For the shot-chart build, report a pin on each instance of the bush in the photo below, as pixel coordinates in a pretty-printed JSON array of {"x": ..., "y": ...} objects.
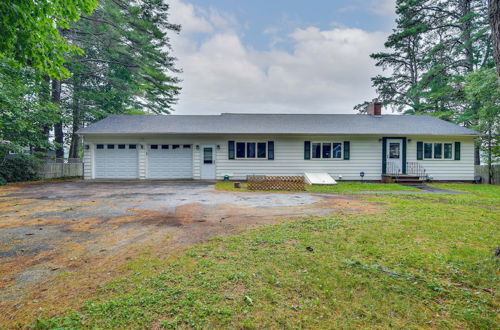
[{"x": 20, "y": 167}]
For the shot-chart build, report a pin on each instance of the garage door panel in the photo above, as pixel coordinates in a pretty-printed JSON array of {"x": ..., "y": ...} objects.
[
  {"x": 116, "y": 163},
  {"x": 170, "y": 163}
]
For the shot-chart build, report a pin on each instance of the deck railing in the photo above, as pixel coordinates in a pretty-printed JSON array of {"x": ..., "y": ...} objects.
[
  {"x": 416, "y": 169},
  {"x": 412, "y": 168}
]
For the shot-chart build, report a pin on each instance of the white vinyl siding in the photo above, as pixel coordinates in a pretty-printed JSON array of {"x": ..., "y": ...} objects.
[
  {"x": 365, "y": 155},
  {"x": 442, "y": 168}
]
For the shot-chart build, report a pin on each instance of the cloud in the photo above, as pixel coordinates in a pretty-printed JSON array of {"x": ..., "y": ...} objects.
[{"x": 325, "y": 71}]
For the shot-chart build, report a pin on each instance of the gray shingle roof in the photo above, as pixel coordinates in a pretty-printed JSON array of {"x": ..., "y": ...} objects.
[{"x": 229, "y": 123}]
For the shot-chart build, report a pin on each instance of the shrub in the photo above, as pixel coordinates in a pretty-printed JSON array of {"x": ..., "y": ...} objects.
[{"x": 18, "y": 167}]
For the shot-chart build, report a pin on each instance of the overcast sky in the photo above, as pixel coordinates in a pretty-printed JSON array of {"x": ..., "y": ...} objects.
[{"x": 277, "y": 56}]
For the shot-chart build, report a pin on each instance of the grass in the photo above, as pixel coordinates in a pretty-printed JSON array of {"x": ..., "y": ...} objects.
[
  {"x": 345, "y": 187},
  {"x": 426, "y": 261}
]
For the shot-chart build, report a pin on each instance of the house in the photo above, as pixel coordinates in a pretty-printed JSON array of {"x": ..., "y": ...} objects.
[{"x": 238, "y": 145}]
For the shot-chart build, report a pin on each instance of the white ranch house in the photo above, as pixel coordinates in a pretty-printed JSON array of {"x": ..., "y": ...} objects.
[{"x": 209, "y": 147}]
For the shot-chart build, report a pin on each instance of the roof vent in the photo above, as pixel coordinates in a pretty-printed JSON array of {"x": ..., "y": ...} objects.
[{"x": 374, "y": 109}]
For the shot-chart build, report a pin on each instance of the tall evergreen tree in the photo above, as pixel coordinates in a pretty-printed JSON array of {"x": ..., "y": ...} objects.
[
  {"x": 126, "y": 67},
  {"x": 435, "y": 45}
]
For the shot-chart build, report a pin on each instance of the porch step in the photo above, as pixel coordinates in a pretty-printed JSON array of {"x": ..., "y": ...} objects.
[{"x": 407, "y": 179}]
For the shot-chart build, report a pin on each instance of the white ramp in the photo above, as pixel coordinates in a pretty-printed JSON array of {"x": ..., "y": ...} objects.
[{"x": 319, "y": 178}]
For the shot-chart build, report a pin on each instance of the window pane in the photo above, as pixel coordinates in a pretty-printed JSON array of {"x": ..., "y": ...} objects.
[
  {"x": 132, "y": 146},
  {"x": 164, "y": 146},
  {"x": 428, "y": 150},
  {"x": 448, "y": 150},
  {"x": 154, "y": 146},
  {"x": 111, "y": 146},
  {"x": 100, "y": 146},
  {"x": 250, "y": 149},
  {"x": 186, "y": 146},
  {"x": 337, "y": 150},
  {"x": 121, "y": 146},
  {"x": 394, "y": 150},
  {"x": 207, "y": 156},
  {"x": 176, "y": 146},
  {"x": 240, "y": 150},
  {"x": 316, "y": 150},
  {"x": 327, "y": 150},
  {"x": 438, "y": 150},
  {"x": 261, "y": 150}
]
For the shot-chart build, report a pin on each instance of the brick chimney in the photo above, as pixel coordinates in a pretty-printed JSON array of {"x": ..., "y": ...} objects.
[{"x": 374, "y": 109}]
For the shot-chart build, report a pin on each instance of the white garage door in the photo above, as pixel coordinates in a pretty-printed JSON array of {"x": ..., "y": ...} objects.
[
  {"x": 116, "y": 161},
  {"x": 170, "y": 161}
]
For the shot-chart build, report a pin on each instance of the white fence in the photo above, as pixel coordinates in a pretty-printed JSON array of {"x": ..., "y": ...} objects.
[
  {"x": 61, "y": 169},
  {"x": 482, "y": 171}
]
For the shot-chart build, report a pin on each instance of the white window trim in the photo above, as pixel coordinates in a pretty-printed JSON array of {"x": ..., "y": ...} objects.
[
  {"x": 331, "y": 150},
  {"x": 256, "y": 150},
  {"x": 442, "y": 151}
]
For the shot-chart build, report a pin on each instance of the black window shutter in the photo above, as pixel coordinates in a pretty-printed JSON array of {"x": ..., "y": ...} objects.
[
  {"x": 307, "y": 149},
  {"x": 347, "y": 150},
  {"x": 457, "y": 150},
  {"x": 420, "y": 150},
  {"x": 230, "y": 149},
  {"x": 270, "y": 150}
]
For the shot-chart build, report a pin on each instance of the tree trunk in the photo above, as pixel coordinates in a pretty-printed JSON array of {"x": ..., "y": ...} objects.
[
  {"x": 465, "y": 9},
  {"x": 490, "y": 168},
  {"x": 477, "y": 153},
  {"x": 494, "y": 15},
  {"x": 58, "y": 127},
  {"x": 46, "y": 128},
  {"x": 75, "y": 139}
]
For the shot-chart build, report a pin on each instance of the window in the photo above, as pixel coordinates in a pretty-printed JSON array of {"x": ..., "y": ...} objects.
[
  {"x": 132, "y": 146},
  {"x": 394, "y": 150},
  {"x": 207, "y": 156},
  {"x": 121, "y": 146},
  {"x": 240, "y": 150},
  {"x": 100, "y": 146},
  {"x": 327, "y": 150},
  {"x": 427, "y": 150},
  {"x": 186, "y": 146},
  {"x": 448, "y": 151},
  {"x": 251, "y": 149},
  {"x": 176, "y": 146},
  {"x": 164, "y": 146},
  {"x": 154, "y": 146},
  {"x": 111, "y": 146},
  {"x": 261, "y": 150},
  {"x": 337, "y": 150},
  {"x": 316, "y": 150},
  {"x": 438, "y": 150}
]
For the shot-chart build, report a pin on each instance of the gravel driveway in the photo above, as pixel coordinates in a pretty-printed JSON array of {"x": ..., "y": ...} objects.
[{"x": 63, "y": 240}]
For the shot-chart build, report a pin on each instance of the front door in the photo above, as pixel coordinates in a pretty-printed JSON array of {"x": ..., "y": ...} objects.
[
  {"x": 207, "y": 162},
  {"x": 394, "y": 156}
]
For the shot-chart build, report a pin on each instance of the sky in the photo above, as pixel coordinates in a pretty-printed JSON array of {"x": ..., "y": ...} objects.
[{"x": 277, "y": 56}]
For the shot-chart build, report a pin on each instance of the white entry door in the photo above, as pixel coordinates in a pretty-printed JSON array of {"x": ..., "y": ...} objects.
[
  {"x": 394, "y": 156},
  {"x": 207, "y": 162}
]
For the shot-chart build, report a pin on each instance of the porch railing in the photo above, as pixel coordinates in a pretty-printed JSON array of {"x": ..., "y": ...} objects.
[
  {"x": 412, "y": 168},
  {"x": 416, "y": 169}
]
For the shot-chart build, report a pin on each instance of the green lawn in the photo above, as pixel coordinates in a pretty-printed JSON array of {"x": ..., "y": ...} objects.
[
  {"x": 345, "y": 187},
  {"x": 425, "y": 261}
]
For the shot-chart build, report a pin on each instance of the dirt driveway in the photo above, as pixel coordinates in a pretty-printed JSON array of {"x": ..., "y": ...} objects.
[{"x": 60, "y": 241}]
